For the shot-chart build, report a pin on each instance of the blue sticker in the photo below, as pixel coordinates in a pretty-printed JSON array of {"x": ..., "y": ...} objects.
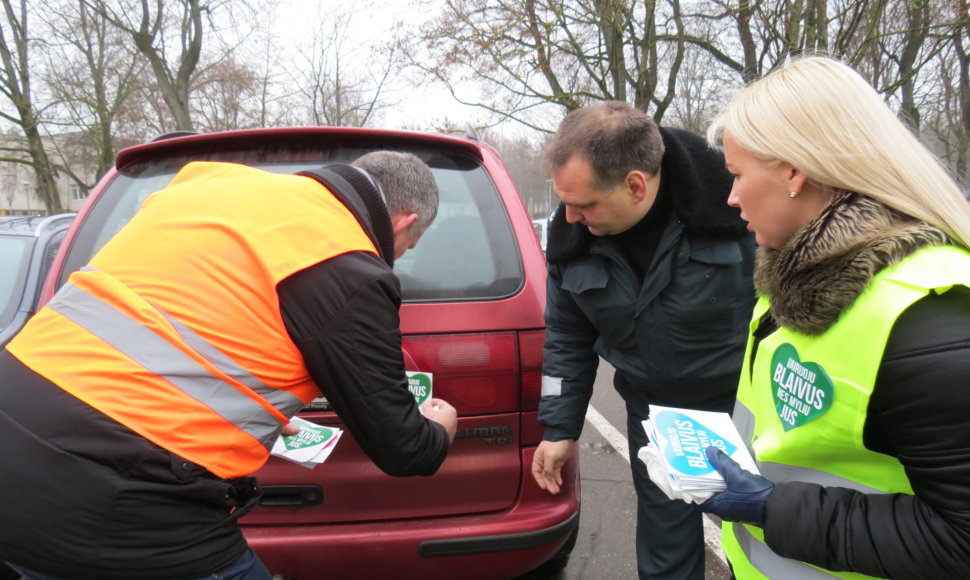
[{"x": 687, "y": 438}]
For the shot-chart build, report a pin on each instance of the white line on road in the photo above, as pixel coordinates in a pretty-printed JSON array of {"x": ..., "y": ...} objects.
[
  {"x": 611, "y": 433},
  {"x": 712, "y": 533}
]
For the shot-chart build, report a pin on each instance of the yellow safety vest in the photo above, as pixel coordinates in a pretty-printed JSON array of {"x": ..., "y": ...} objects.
[{"x": 802, "y": 402}]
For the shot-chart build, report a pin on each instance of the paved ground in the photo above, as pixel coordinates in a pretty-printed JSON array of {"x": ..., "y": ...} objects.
[{"x": 604, "y": 549}]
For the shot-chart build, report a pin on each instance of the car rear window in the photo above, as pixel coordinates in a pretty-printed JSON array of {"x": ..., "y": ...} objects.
[
  {"x": 468, "y": 253},
  {"x": 14, "y": 256}
]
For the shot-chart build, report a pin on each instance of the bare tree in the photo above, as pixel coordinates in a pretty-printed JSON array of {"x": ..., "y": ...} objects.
[
  {"x": 226, "y": 97},
  {"x": 237, "y": 81},
  {"x": 523, "y": 159},
  {"x": 567, "y": 53},
  {"x": 169, "y": 35},
  {"x": 750, "y": 37},
  {"x": 15, "y": 85},
  {"x": 335, "y": 90},
  {"x": 92, "y": 75},
  {"x": 946, "y": 111},
  {"x": 961, "y": 50},
  {"x": 272, "y": 92},
  {"x": 905, "y": 46},
  {"x": 702, "y": 90}
]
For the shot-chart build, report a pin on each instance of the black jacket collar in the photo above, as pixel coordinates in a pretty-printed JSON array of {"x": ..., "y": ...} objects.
[{"x": 358, "y": 192}]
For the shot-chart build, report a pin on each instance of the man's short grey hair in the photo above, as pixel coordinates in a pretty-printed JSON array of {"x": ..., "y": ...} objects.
[
  {"x": 613, "y": 136},
  {"x": 407, "y": 183}
]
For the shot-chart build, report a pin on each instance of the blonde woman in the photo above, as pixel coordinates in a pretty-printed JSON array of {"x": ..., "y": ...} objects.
[{"x": 855, "y": 393}]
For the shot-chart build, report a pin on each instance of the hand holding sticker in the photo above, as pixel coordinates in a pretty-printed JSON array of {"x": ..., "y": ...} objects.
[
  {"x": 420, "y": 385},
  {"x": 310, "y": 444}
]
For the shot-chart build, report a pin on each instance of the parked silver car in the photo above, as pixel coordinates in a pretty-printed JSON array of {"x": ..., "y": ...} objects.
[{"x": 27, "y": 249}]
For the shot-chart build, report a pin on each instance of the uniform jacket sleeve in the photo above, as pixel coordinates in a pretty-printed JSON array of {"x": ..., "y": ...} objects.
[
  {"x": 569, "y": 365},
  {"x": 343, "y": 316},
  {"x": 918, "y": 413}
]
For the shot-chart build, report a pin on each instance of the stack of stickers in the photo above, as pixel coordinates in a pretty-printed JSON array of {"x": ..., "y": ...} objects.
[
  {"x": 682, "y": 435},
  {"x": 311, "y": 446}
]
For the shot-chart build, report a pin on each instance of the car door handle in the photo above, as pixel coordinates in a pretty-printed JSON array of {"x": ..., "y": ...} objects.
[{"x": 291, "y": 495}]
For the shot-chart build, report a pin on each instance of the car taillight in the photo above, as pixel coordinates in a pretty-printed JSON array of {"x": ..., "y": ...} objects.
[
  {"x": 477, "y": 373},
  {"x": 530, "y": 357}
]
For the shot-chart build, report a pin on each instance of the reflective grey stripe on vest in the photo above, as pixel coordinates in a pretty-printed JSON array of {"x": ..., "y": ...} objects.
[
  {"x": 744, "y": 421},
  {"x": 773, "y": 566},
  {"x": 146, "y": 348},
  {"x": 282, "y": 400},
  {"x": 782, "y": 472}
]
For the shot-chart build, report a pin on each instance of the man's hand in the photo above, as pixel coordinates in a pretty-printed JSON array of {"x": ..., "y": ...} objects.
[
  {"x": 290, "y": 429},
  {"x": 547, "y": 463},
  {"x": 439, "y": 411},
  {"x": 746, "y": 495}
]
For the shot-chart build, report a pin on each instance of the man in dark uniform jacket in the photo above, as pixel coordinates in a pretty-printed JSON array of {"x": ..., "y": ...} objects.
[{"x": 650, "y": 270}]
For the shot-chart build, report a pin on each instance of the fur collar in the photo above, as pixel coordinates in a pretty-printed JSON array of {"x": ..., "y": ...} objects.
[
  {"x": 692, "y": 174},
  {"x": 828, "y": 263}
]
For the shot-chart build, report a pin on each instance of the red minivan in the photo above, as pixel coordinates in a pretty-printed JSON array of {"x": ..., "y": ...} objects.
[{"x": 474, "y": 293}]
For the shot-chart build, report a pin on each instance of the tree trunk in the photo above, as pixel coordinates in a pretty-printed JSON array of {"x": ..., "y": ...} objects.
[{"x": 44, "y": 171}]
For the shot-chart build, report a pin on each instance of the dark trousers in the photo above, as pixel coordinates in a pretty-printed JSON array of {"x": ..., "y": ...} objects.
[
  {"x": 670, "y": 534},
  {"x": 82, "y": 496}
]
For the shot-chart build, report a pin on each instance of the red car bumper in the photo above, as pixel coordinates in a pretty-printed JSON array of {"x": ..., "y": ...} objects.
[{"x": 491, "y": 546}]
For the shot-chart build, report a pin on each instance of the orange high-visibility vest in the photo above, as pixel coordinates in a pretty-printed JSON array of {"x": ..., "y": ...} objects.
[{"x": 174, "y": 329}]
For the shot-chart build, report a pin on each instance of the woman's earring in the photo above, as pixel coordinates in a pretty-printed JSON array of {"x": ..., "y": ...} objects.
[{"x": 793, "y": 194}]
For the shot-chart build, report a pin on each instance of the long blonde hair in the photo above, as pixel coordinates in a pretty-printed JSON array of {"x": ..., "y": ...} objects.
[{"x": 824, "y": 118}]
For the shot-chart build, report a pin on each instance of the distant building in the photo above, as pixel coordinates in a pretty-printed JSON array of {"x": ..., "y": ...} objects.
[{"x": 18, "y": 182}]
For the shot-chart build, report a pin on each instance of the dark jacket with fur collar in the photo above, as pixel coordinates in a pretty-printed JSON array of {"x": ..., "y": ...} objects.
[
  {"x": 676, "y": 338},
  {"x": 917, "y": 413}
]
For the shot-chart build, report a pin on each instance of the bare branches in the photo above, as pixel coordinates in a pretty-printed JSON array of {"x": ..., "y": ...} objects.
[
  {"x": 531, "y": 55},
  {"x": 96, "y": 75},
  {"x": 149, "y": 25},
  {"x": 15, "y": 84}
]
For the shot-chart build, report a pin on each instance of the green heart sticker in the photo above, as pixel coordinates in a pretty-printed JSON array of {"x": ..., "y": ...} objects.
[
  {"x": 420, "y": 386},
  {"x": 802, "y": 390}
]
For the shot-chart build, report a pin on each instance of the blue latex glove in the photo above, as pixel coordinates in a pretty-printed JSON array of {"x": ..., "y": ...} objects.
[{"x": 746, "y": 494}]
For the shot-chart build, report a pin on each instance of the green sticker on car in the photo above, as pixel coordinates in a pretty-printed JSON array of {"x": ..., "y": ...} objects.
[{"x": 802, "y": 391}]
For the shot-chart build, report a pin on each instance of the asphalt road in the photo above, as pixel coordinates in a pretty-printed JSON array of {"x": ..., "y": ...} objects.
[{"x": 605, "y": 546}]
